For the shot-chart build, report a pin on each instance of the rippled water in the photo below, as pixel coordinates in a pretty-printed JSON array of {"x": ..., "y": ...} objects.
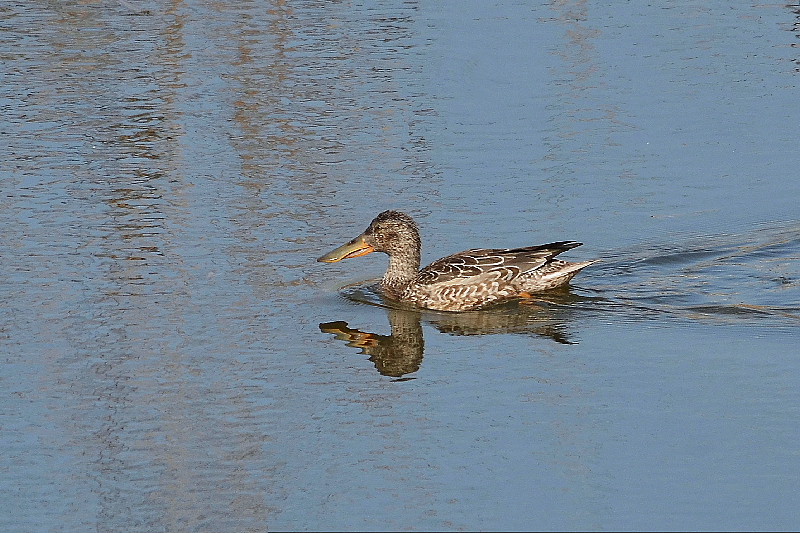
[{"x": 174, "y": 359}]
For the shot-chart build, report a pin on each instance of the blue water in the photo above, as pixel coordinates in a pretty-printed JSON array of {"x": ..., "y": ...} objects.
[{"x": 174, "y": 358}]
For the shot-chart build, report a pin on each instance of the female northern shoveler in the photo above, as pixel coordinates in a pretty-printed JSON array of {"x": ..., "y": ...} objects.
[{"x": 460, "y": 282}]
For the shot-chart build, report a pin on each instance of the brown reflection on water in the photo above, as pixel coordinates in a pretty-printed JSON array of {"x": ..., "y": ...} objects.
[
  {"x": 401, "y": 352},
  {"x": 394, "y": 355}
]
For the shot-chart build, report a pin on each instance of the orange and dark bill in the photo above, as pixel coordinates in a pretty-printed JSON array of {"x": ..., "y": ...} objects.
[{"x": 355, "y": 248}]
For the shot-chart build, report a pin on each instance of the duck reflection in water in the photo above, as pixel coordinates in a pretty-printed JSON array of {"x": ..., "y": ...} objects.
[
  {"x": 396, "y": 354},
  {"x": 401, "y": 352}
]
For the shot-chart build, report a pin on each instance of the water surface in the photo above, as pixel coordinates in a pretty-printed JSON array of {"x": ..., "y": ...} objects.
[{"x": 174, "y": 359}]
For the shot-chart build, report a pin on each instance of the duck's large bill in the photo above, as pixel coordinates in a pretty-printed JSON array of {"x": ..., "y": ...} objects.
[{"x": 355, "y": 248}]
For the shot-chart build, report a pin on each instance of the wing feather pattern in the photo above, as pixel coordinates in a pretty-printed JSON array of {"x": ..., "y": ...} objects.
[{"x": 500, "y": 264}]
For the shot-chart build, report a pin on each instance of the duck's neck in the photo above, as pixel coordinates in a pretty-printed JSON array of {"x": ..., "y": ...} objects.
[{"x": 403, "y": 268}]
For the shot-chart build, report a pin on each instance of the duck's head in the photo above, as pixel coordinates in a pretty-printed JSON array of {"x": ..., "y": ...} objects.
[{"x": 392, "y": 232}]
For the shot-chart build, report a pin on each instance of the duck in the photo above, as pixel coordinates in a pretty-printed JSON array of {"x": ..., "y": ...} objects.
[{"x": 465, "y": 281}]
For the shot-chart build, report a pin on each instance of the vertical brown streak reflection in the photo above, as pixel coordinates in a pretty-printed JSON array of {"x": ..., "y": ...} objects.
[
  {"x": 271, "y": 96},
  {"x": 288, "y": 102},
  {"x": 287, "y": 119},
  {"x": 273, "y": 139}
]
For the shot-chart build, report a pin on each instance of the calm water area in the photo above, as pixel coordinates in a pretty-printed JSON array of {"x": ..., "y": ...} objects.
[{"x": 173, "y": 358}]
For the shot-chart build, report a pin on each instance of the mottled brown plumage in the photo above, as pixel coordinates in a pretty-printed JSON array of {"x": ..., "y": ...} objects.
[{"x": 468, "y": 280}]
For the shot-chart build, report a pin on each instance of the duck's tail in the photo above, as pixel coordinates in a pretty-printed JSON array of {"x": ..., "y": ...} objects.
[{"x": 555, "y": 274}]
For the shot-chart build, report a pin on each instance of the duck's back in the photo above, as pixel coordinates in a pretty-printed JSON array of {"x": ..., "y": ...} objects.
[
  {"x": 476, "y": 278},
  {"x": 502, "y": 263}
]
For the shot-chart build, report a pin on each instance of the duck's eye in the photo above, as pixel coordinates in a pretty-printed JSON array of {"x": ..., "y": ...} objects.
[{"x": 389, "y": 235}]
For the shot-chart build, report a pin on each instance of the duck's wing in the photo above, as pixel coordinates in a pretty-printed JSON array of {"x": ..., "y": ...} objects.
[{"x": 501, "y": 263}]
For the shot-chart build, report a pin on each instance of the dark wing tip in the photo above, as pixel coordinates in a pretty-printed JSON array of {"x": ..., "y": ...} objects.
[{"x": 553, "y": 247}]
